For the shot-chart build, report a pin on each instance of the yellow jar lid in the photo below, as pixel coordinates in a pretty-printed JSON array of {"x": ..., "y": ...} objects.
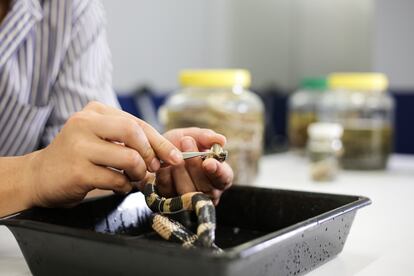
[
  {"x": 215, "y": 78},
  {"x": 358, "y": 81}
]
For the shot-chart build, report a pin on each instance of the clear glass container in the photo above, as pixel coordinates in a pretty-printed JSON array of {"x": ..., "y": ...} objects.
[
  {"x": 302, "y": 106},
  {"x": 324, "y": 149},
  {"x": 219, "y": 100},
  {"x": 361, "y": 104}
]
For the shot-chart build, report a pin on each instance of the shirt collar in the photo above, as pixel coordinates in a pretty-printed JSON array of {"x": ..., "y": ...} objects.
[
  {"x": 20, "y": 19},
  {"x": 31, "y": 7},
  {"x": 35, "y": 9}
]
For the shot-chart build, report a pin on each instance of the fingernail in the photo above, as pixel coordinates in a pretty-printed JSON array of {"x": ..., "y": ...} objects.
[
  {"x": 176, "y": 156},
  {"x": 210, "y": 132},
  {"x": 155, "y": 165},
  {"x": 211, "y": 167},
  {"x": 224, "y": 138}
]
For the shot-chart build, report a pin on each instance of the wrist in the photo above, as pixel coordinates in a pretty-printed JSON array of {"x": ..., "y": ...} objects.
[
  {"x": 29, "y": 178},
  {"x": 15, "y": 184}
]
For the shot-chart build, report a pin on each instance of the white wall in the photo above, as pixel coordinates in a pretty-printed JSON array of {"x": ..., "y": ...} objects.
[
  {"x": 279, "y": 41},
  {"x": 282, "y": 41},
  {"x": 394, "y": 41},
  {"x": 259, "y": 40},
  {"x": 331, "y": 35},
  {"x": 152, "y": 40}
]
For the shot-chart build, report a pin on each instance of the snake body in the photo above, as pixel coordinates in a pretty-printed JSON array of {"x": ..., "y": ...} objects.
[
  {"x": 169, "y": 229},
  {"x": 198, "y": 202},
  {"x": 172, "y": 230}
]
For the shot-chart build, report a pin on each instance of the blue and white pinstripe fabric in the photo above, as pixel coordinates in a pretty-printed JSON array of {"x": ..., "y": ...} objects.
[{"x": 54, "y": 59}]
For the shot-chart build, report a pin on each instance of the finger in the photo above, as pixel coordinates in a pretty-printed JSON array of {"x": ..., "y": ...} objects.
[
  {"x": 127, "y": 131},
  {"x": 140, "y": 184},
  {"x": 163, "y": 149},
  {"x": 193, "y": 166},
  {"x": 204, "y": 137},
  {"x": 220, "y": 174},
  {"x": 182, "y": 180},
  {"x": 216, "y": 201},
  {"x": 113, "y": 155},
  {"x": 98, "y": 193},
  {"x": 164, "y": 183},
  {"x": 215, "y": 195},
  {"x": 108, "y": 179}
]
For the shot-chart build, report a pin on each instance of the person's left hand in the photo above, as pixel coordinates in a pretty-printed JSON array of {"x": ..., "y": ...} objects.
[{"x": 209, "y": 176}]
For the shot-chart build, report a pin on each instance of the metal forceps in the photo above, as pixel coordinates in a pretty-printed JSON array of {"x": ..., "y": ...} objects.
[
  {"x": 191, "y": 154},
  {"x": 216, "y": 152}
]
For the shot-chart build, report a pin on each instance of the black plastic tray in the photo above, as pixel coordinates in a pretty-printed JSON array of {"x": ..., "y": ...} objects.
[{"x": 262, "y": 232}]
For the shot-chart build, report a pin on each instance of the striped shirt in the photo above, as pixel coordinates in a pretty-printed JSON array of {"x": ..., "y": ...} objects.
[{"x": 54, "y": 59}]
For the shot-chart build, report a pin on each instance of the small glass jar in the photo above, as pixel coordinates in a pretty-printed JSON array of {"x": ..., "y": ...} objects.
[
  {"x": 303, "y": 111},
  {"x": 324, "y": 150},
  {"x": 361, "y": 104},
  {"x": 219, "y": 100}
]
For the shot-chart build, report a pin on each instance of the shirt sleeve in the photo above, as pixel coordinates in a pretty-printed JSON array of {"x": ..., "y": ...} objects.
[{"x": 86, "y": 71}]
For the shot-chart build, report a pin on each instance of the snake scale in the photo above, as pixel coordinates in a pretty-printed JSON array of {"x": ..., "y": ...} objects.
[{"x": 198, "y": 202}]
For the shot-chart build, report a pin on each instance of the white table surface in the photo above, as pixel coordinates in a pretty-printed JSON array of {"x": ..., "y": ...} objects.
[{"x": 381, "y": 240}]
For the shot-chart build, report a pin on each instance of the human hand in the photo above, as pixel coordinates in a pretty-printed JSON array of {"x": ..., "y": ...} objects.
[
  {"x": 209, "y": 176},
  {"x": 83, "y": 155}
]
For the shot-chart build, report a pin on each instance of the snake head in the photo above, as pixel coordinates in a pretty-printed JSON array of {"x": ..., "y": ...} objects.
[{"x": 217, "y": 153}]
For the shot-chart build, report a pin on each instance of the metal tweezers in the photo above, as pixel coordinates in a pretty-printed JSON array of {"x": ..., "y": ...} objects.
[
  {"x": 191, "y": 154},
  {"x": 216, "y": 152}
]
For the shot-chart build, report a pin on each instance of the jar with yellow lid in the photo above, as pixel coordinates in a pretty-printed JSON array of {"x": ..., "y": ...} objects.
[
  {"x": 220, "y": 100},
  {"x": 361, "y": 104}
]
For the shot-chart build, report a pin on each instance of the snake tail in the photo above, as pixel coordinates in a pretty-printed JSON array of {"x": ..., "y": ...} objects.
[
  {"x": 172, "y": 230},
  {"x": 206, "y": 214}
]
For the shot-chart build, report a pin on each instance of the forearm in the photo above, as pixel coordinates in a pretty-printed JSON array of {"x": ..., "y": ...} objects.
[{"x": 15, "y": 189}]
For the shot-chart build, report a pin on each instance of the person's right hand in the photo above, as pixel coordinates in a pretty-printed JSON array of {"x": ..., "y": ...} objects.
[{"x": 91, "y": 143}]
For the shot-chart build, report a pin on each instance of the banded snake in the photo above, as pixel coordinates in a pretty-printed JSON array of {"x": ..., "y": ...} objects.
[{"x": 198, "y": 202}]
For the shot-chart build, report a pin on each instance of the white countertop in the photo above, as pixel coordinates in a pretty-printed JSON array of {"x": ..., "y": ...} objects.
[{"x": 381, "y": 239}]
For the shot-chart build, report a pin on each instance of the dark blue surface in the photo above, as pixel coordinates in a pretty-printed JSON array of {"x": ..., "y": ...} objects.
[
  {"x": 404, "y": 121},
  {"x": 275, "y": 137},
  {"x": 128, "y": 101}
]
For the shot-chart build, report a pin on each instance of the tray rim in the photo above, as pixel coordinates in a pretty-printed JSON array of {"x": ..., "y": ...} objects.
[{"x": 240, "y": 251}]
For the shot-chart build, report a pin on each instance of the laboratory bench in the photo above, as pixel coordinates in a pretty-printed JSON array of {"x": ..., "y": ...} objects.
[{"x": 380, "y": 241}]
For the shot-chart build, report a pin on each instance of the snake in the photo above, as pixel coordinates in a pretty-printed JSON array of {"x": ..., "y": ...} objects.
[{"x": 197, "y": 202}]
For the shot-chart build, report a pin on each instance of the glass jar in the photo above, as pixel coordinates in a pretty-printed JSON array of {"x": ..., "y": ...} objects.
[
  {"x": 324, "y": 150},
  {"x": 361, "y": 104},
  {"x": 302, "y": 111},
  {"x": 219, "y": 100}
]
